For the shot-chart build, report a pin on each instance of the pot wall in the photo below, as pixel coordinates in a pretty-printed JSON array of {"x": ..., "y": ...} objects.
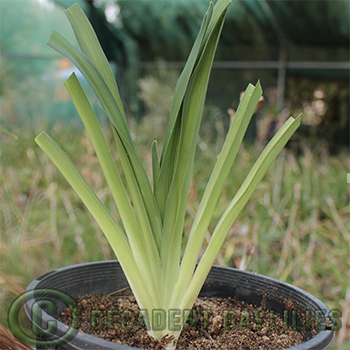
[{"x": 107, "y": 277}]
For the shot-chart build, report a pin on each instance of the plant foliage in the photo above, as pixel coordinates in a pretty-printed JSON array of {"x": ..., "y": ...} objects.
[{"x": 148, "y": 240}]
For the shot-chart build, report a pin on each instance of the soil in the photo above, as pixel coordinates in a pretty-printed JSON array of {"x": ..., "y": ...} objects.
[{"x": 214, "y": 323}]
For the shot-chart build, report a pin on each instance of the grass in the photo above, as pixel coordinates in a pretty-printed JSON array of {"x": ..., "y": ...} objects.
[{"x": 295, "y": 228}]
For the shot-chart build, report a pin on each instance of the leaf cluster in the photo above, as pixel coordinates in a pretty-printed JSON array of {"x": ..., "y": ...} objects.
[{"x": 148, "y": 240}]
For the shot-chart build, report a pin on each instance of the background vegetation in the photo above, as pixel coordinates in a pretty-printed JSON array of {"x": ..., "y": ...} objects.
[{"x": 295, "y": 228}]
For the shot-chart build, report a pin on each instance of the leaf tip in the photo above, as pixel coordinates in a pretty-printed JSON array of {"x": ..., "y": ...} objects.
[
  {"x": 75, "y": 6},
  {"x": 40, "y": 136},
  {"x": 71, "y": 78}
]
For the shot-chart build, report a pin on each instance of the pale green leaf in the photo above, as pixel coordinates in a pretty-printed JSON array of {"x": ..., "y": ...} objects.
[
  {"x": 215, "y": 184},
  {"x": 90, "y": 46},
  {"x": 143, "y": 247},
  {"x": 109, "y": 226},
  {"x": 95, "y": 80},
  {"x": 155, "y": 164},
  {"x": 191, "y": 115},
  {"x": 254, "y": 177}
]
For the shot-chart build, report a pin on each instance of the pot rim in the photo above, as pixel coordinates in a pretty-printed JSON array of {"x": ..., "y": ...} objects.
[{"x": 323, "y": 338}]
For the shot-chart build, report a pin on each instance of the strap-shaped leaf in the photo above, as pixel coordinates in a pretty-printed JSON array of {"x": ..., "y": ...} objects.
[
  {"x": 109, "y": 226},
  {"x": 148, "y": 246},
  {"x": 191, "y": 115},
  {"x": 95, "y": 80},
  {"x": 184, "y": 79},
  {"x": 150, "y": 243},
  {"x": 90, "y": 46},
  {"x": 90, "y": 72},
  {"x": 173, "y": 134},
  {"x": 132, "y": 165},
  {"x": 214, "y": 187},
  {"x": 155, "y": 164},
  {"x": 247, "y": 188},
  {"x": 142, "y": 245}
]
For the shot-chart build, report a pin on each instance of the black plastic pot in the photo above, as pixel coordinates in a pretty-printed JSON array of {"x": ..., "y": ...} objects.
[{"x": 107, "y": 277}]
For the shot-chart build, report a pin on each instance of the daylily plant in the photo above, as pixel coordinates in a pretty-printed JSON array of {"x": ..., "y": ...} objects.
[{"x": 148, "y": 240}]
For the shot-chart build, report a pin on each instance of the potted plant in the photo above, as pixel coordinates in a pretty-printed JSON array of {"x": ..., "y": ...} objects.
[{"x": 147, "y": 242}]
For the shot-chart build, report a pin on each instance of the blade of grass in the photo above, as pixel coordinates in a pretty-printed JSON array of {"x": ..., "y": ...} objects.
[{"x": 8, "y": 133}]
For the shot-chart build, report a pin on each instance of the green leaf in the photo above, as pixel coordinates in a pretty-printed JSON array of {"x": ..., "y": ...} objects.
[
  {"x": 171, "y": 144},
  {"x": 8, "y": 133},
  {"x": 95, "y": 80},
  {"x": 149, "y": 244},
  {"x": 149, "y": 239},
  {"x": 113, "y": 232},
  {"x": 155, "y": 164},
  {"x": 191, "y": 115},
  {"x": 90, "y": 46},
  {"x": 215, "y": 184},
  {"x": 254, "y": 177},
  {"x": 86, "y": 67},
  {"x": 143, "y": 247}
]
